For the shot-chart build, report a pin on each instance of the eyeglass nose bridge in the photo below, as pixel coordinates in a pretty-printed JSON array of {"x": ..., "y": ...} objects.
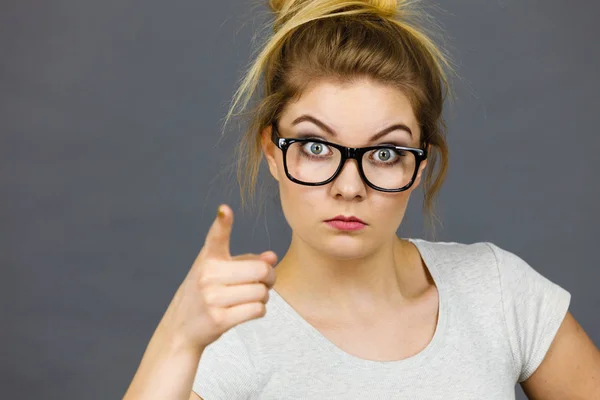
[{"x": 351, "y": 153}]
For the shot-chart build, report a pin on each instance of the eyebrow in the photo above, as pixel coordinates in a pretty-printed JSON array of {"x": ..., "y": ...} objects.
[{"x": 326, "y": 128}]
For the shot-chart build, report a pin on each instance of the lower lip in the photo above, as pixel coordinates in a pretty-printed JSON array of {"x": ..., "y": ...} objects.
[{"x": 346, "y": 225}]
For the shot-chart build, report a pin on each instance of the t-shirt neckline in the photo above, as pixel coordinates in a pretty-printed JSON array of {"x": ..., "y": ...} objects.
[{"x": 411, "y": 362}]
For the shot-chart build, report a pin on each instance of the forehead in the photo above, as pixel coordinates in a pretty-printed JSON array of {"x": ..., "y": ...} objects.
[{"x": 360, "y": 106}]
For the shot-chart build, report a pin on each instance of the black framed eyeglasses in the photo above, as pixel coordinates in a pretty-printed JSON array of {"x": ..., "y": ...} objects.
[{"x": 315, "y": 162}]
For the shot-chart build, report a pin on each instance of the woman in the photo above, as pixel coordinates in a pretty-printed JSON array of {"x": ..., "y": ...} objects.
[{"x": 350, "y": 119}]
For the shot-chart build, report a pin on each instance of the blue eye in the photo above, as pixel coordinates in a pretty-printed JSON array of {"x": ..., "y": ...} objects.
[
  {"x": 385, "y": 155},
  {"x": 315, "y": 148}
]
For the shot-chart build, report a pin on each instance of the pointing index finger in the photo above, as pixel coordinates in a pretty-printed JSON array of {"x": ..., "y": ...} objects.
[{"x": 217, "y": 239}]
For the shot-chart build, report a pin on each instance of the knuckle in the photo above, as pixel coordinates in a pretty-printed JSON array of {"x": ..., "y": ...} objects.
[
  {"x": 212, "y": 297},
  {"x": 263, "y": 270},
  {"x": 218, "y": 319},
  {"x": 208, "y": 276},
  {"x": 263, "y": 292},
  {"x": 259, "y": 309},
  {"x": 204, "y": 281}
]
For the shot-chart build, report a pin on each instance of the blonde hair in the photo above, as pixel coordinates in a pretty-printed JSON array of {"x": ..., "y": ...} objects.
[{"x": 384, "y": 40}]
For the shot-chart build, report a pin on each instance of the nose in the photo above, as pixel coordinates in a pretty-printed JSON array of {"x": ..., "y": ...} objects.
[{"x": 349, "y": 184}]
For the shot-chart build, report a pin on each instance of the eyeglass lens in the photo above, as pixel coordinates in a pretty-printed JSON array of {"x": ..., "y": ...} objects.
[{"x": 386, "y": 167}]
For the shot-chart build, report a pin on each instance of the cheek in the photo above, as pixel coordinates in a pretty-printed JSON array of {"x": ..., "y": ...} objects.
[
  {"x": 389, "y": 208},
  {"x": 301, "y": 205}
]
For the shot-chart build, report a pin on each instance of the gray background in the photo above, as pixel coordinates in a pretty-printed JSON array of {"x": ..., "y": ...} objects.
[{"x": 111, "y": 165}]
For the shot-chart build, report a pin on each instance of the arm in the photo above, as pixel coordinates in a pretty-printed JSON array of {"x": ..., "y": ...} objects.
[
  {"x": 218, "y": 293},
  {"x": 570, "y": 369},
  {"x": 166, "y": 371}
]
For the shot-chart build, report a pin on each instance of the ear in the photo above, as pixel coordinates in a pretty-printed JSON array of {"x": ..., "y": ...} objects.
[
  {"x": 421, "y": 169},
  {"x": 268, "y": 148}
]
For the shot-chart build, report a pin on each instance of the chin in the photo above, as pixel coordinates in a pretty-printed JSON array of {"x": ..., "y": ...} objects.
[{"x": 342, "y": 246}]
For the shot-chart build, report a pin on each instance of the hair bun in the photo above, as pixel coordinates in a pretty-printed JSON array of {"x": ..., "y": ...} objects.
[{"x": 385, "y": 7}]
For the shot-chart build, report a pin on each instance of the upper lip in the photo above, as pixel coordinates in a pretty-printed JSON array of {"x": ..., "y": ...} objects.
[{"x": 347, "y": 219}]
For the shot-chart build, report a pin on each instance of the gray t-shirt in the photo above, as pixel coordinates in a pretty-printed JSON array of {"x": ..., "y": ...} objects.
[{"x": 497, "y": 319}]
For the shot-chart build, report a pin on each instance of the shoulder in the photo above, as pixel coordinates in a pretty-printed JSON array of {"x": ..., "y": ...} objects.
[
  {"x": 483, "y": 270},
  {"x": 480, "y": 262},
  {"x": 471, "y": 260},
  {"x": 489, "y": 277},
  {"x": 457, "y": 251},
  {"x": 460, "y": 263}
]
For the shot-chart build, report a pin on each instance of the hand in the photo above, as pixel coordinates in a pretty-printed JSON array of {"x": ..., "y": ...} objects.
[{"x": 220, "y": 291}]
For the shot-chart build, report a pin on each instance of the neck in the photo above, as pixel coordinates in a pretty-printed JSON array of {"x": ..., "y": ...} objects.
[{"x": 388, "y": 276}]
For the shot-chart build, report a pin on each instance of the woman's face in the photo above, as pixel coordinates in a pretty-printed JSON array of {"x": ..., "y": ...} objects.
[{"x": 355, "y": 112}]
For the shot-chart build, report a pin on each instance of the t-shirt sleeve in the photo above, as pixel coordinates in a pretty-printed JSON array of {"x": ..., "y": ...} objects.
[
  {"x": 225, "y": 370},
  {"x": 534, "y": 308}
]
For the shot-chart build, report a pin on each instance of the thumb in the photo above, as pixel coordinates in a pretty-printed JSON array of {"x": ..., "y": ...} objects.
[
  {"x": 269, "y": 257},
  {"x": 217, "y": 240}
]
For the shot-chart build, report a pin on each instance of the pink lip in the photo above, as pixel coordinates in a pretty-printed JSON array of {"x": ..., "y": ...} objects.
[{"x": 346, "y": 223}]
